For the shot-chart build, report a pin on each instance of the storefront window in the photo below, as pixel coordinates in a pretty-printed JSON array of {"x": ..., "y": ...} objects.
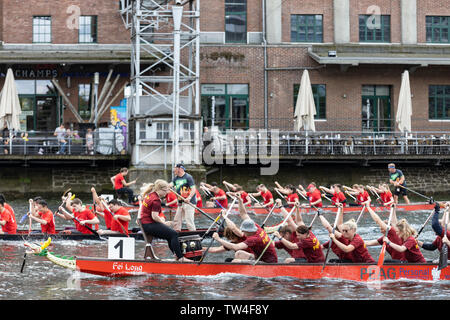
[{"x": 84, "y": 98}]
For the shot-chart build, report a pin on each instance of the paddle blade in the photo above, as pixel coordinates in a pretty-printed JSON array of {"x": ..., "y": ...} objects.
[
  {"x": 381, "y": 256},
  {"x": 443, "y": 257}
]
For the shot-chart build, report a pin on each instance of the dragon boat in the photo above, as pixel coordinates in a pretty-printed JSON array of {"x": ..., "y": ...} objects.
[{"x": 369, "y": 273}]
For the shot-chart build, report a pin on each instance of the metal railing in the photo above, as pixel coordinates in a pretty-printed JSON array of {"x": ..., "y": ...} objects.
[
  {"x": 290, "y": 143},
  {"x": 104, "y": 142}
]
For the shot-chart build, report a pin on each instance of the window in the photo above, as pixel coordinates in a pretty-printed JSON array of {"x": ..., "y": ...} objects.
[
  {"x": 439, "y": 102},
  {"x": 188, "y": 131},
  {"x": 84, "y": 101},
  {"x": 437, "y": 28},
  {"x": 88, "y": 29},
  {"x": 42, "y": 29},
  {"x": 374, "y": 28},
  {"x": 142, "y": 129},
  {"x": 236, "y": 21},
  {"x": 320, "y": 95},
  {"x": 162, "y": 131},
  {"x": 306, "y": 28}
]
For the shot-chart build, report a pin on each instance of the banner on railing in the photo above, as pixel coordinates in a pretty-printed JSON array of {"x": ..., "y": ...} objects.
[{"x": 119, "y": 120}]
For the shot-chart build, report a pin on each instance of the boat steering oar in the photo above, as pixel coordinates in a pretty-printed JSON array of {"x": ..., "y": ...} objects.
[
  {"x": 430, "y": 199},
  {"x": 270, "y": 239},
  {"x": 383, "y": 248},
  {"x": 218, "y": 228}
]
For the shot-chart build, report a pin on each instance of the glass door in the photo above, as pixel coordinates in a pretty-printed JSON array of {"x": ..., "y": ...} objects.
[
  {"x": 46, "y": 108},
  {"x": 27, "y": 114},
  {"x": 376, "y": 109},
  {"x": 239, "y": 112}
]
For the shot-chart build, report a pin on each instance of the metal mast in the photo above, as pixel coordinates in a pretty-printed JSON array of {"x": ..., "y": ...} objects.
[{"x": 168, "y": 32}]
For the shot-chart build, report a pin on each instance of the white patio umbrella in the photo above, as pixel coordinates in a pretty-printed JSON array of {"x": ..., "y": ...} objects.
[
  {"x": 305, "y": 108},
  {"x": 404, "y": 108},
  {"x": 9, "y": 106}
]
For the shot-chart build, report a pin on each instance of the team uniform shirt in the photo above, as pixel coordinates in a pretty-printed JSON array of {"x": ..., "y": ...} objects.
[
  {"x": 293, "y": 197},
  {"x": 223, "y": 202},
  {"x": 11, "y": 225},
  {"x": 151, "y": 203},
  {"x": 7, "y": 206},
  {"x": 183, "y": 186},
  {"x": 438, "y": 241},
  {"x": 118, "y": 181},
  {"x": 48, "y": 228},
  {"x": 394, "y": 238},
  {"x": 341, "y": 254},
  {"x": 413, "y": 253},
  {"x": 82, "y": 216},
  {"x": 244, "y": 197},
  {"x": 108, "y": 218},
  {"x": 339, "y": 197},
  {"x": 199, "y": 199},
  {"x": 311, "y": 248},
  {"x": 314, "y": 196},
  {"x": 360, "y": 254},
  {"x": 267, "y": 196},
  {"x": 239, "y": 240},
  {"x": 115, "y": 224},
  {"x": 386, "y": 196},
  {"x": 171, "y": 197},
  {"x": 362, "y": 197},
  {"x": 258, "y": 242},
  {"x": 296, "y": 253}
]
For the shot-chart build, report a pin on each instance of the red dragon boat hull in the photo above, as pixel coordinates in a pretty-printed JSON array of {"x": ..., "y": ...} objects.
[{"x": 345, "y": 271}]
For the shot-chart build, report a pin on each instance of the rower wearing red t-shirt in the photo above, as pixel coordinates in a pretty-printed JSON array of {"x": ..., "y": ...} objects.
[
  {"x": 362, "y": 196},
  {"x": 338, "y": 195},
  {"x": 409, "y": 246},
  {"x": 41, "y": 213},
  {"x": 120, "y": 218},
  {"x": 290, "y": 195},
  {"x": 80, "y": 215},
  {"x": 356, "y": 245},
  {"x": 121, "y": 186},
  {"x": 296, "y": 255},
  {"x": 199, "y": 199},
  {"x": 7, "y": 219},
  {"x": 392, "y": 235},
  {"x": 384, "y": 193},
  {"x": 172, "y": 200},
  {"x": 101, "y": 208},
  {"x": 263, "y": 192},
  {"x": 256, "y": 240},
  {"x": 219, "y": 195},
  {"x": 312, "y": 194}
]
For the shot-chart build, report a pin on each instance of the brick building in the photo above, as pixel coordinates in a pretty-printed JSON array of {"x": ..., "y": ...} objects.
[{"x": 374, "y": 41}]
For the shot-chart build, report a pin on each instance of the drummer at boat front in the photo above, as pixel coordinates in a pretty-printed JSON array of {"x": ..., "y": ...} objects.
[
  {"x": 265, "y": 193},
  {"x": 397, "y": 178},
  {"x": 219, "y": 195},
  {"x": 312, "y": 194},
  {"x": 356, "y": 244},
  {"x": 410, "y": 245}
]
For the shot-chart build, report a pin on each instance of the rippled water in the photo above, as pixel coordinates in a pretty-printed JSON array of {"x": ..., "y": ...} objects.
[{"x": 43, "y": 280}]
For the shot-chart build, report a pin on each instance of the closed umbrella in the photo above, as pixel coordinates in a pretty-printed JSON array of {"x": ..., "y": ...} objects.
[
  {"x": 305, "y": 108},
  {"x": 404, "y": 109},
  {"x": 9, "y": 105}
]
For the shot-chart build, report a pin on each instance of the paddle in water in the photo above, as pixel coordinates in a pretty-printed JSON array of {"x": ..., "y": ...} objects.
[
  {"x": 340, "y": 210},
  {"x": 443, "y": 256},
  {"x": 383, "y": 248}
]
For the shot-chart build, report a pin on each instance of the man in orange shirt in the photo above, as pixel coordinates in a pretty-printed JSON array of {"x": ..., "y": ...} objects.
[
  {"x": 40, "y": 213},
  {"x": 7, "y": 219}
]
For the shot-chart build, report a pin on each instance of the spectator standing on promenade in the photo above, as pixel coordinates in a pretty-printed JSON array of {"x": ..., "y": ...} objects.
[
  {"x": 89, "y": 141},
  {"x": 60, "y": 134}
]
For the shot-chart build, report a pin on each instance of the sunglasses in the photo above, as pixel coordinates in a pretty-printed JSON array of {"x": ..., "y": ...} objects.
[{"x": 345, "y": 230}]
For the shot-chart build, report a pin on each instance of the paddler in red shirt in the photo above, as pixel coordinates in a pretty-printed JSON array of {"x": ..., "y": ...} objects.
[
  {"x": 219, "y": 195},
  {"x": 290, "y": 195},
  {"x": 392, "y": 235},
  {"x": 263, "y": 192},
  {"x": 312, "y": 194},
  {"x": 343, "y": 257},
  {"x": 172, "y": 200},
  {"x": 362, "y": 196},
  {"x": 7, "y": 219},
  {"x": 338, "y": 195},
  {"x": 7, "y": 206},
  {"x": 80, "y": 212},
  {"x": 237, "y": 189},
  {"x": 101, "y": 208},
  {"x": 410, "y": 246},
  {"x": 356, "y": 246},
  {"x": 256, "y": 240},
  {"x": 386, "y": 197},
  {"x": 42, "y": 214}
]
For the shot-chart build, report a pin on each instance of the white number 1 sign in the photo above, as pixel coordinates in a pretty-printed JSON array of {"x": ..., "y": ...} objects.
[{"x": 121, "y": 248}]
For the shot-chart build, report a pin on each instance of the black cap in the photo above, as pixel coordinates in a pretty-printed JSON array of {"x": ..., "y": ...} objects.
[{"x": 179, "y": 165}]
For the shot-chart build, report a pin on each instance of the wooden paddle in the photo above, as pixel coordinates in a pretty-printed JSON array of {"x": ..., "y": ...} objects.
[
  {"x": 218, "y": 228},
  {"x": 443, "y": 256},
  {"x": 89, "y": 228},
  {"x": 270, "y": 239},
  {"x": 360, "y": 214},
  {"x": 25, "y": 254},
  {"x": 383, "y": 248},
  {"x": 425, "y": 223}
]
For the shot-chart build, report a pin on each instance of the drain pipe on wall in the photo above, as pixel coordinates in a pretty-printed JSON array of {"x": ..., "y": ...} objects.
[{"x": 266, "y": 107}]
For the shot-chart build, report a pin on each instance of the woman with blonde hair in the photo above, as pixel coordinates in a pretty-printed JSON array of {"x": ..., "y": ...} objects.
[
  {"x": 152, "y": 223},
  {"x": 355, "y": 246},
  {"x": 410, "y": 246}
]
